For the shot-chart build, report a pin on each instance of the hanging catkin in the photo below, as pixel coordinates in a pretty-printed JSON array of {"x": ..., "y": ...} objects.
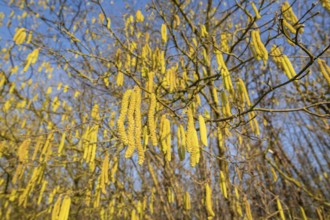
[
  {"x": 131, "y": 126},
  {"x": 324, "y": 69},
  {"x": 280, "y": 209},
  {"x": 192, "y": 139},
  {"x": 208, "y": 201},
  {"x": 20, "y": 36},
  {"x": 138, "y": 125},
  {"x": 164, "y": 33},
  {"x": 105, "y": 173},
  {"x": 151, "y": 119},
  {"x": 122, "y": 117},
  {"x": 187, "y": 203},
  {"x": 203, "y": 131},
  {"x": 181, "y": 141}
]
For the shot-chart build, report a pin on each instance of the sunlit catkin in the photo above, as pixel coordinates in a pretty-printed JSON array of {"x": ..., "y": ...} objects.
[
  {"x": 61, "y": 145},
  {"x": 192, "y": 139},
  {"x": 208, "y": 201},
  {"x": 122, "y": 117},
  {"x": 288, "y": 13},
  {"x": 131, "y": 126},
  {"x": 326, "y": 4},
  {"x": 138, "y": 125},
  {"x": 324, "y": 69},
  {"x": 226, "y": 79},
  {"x": 280, "y": 209},
  {"x": 105, "y": 173},
  {"x": 247, "y": 209},
  {"x": 139, "y": 16},
  {"x": 187, "y": 203},
  {"x": 258, "y": 16},
  {"x": 43, "y": 187},
  {"x": 65, "y": 208},
  {"x": 151, "y": 119},
  {"x": 168, "y": 140},
  {"x": 20, "y": 36},
  {"x": 164, "y": 33},
  {"x": 181, "y": 142},
  {"x": 57, "y": 208},
  {"x": 223, "y": 184},
  {"x": 226, "y": 110},
  {"x": 257, "y": 47},
  {"x": 203, "y": 130}
]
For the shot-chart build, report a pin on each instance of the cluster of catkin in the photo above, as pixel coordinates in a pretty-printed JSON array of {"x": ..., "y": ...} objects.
[
  {"x": 131, "y": 108},
  {"x": 245, "y": 99},
  {"x": 258, "y": 49},
  {"x": 325, "y": 70},
  {"x": 226, "y": 79},
  {"x": 61, "y": 208},
  {"x": 282, "y": 61},
  {"x": 31, "y": 59},
  {"x": 290, "y": 20}
]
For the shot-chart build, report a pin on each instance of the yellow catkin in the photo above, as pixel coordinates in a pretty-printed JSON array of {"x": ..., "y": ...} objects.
[
  {"x": 248, "y": 209},
  {"x": 289, "y": 27},
  {"x": 181, "y": 142},
  {"x": 20, "y": 36},
  {"x": 43, "y": 187},
  {"x": 151, "y": 119},
  {"x": 258, "y": 16},
  {"x": 237, "y": 203},
  {"x": 288, "y": 64},
  {"x": 192, "y": 139},
  {"x": 226, "y": 79},
  {"x": 138, "y": 125},
  {"x": 92, "y": 146},
  {"x": 23, "y": 151},
  {"x": 208, "y": 201},
  {"x": 104, "y": 173},
  {"x": 164, "y": 33},
  {"x": 65, "y": 208},
  {"x": 324, "y": 69},
  {"x": 288, "y": 13},
  {"x": 223, "y": 184},
  {"x": 326, "y": 4},
  {"x": 203, "y": 130},
  {"x": 282, "y": 62},
  {"x": 257, "y": 47},
  {"x": 224, "y": 42},
  {"x": 215, "y": 96},
  {"x": 165, "y": 134},
  {"x": 303, "y": 214},
  {"x": 176, "y": 22},
  {"x": 242, "y": 93},
  {"x": 131, "y": 126},
  {"x": 139, "y": 16},
  {"x": 120, "y": 78},
  {"x": 226, "y": 110},
  {"x": 61, "y": 145},
  {"x": 204, "y": 31},
  {"x": 280, "y": 209},
  {"x": 31, "y": 59},
  {"x": 57, "y": 208},
  {"x": 122, "y": 117},
  {"x": 168, "y": 139},
  {"x": 187, "y": 203},
  {"x": 114, "y": 169}
]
